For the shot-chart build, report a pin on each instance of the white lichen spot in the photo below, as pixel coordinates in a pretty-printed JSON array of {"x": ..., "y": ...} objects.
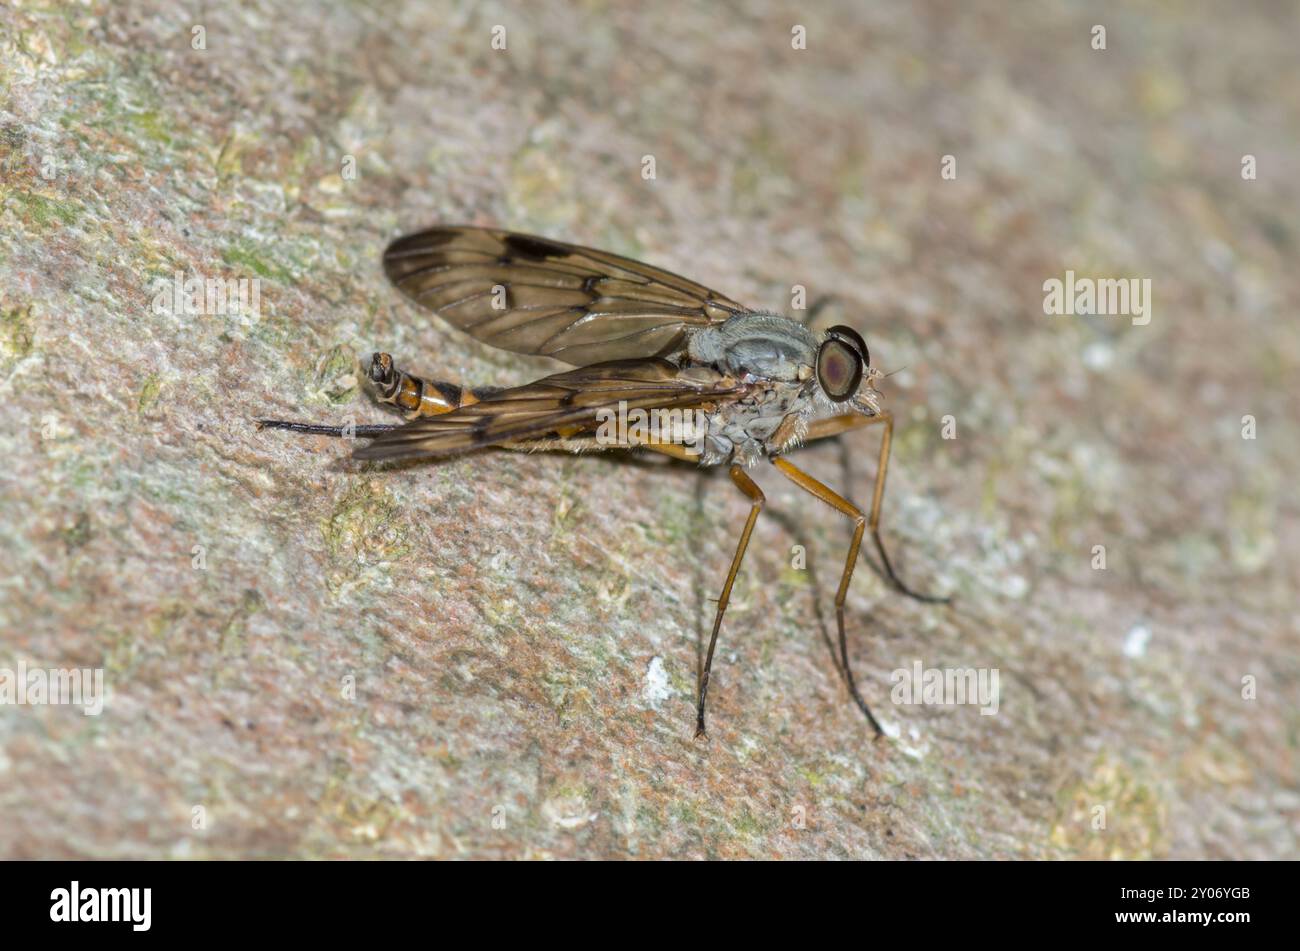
[
  {"x": 1098, "y": 356},
  {"x": 917, "y": 748},
  {"x": 656, "y": 689},
  {"x": 1015, "y": 586},
  {"x": 568, "y": 812},
  {"x": 1135, "y": 642}
]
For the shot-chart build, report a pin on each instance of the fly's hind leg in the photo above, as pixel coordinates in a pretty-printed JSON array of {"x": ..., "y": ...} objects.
[
  {"x": 414, "y": 396},
  {"x": 316, "y": 429}
]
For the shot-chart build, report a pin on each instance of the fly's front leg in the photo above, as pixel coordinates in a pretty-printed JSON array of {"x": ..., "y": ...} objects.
[
  {"x": 818, "y": 305},
  {"x": 824, "y": 428},
  {"x": 877, "y": 497},
  {"x": 849, "y": 510}
]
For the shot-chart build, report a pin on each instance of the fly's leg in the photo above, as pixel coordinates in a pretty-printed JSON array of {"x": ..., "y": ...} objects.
[
  {"x": 838, "y": 424},
  {"x": 756, "y": 498},
  {"x": 815, "y": 309},
  {"x": 314, "y": 429},
  {"x": 849, "y": 510}
]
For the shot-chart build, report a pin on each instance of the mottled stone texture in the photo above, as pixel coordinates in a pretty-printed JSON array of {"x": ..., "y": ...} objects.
[{"x": 522, "y": 631}]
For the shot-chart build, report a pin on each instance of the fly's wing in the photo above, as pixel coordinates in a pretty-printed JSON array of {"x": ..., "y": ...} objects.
[
  {"x": 565, "y": 403},
  {"x": 537, "y": 296}
]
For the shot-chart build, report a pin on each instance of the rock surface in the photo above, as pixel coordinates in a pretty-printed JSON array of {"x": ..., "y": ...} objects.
[{"x": 495, "y": 656}]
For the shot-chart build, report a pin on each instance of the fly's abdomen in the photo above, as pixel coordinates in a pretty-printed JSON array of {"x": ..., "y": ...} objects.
[{"x": 413, "y": 395}]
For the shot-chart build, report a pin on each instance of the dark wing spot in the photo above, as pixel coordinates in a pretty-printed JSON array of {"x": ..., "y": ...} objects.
[
  {"x": 534, "y": 249},
  {"x": 436, "y": 237}
]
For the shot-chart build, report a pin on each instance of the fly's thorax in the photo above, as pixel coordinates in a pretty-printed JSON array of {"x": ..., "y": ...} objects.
[
  {"x": 763, "y": 345},
  {"x": 745, "y": 430}
]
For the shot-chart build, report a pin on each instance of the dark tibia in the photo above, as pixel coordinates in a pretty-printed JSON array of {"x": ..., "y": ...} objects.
[{"x": 314, "y": 429}]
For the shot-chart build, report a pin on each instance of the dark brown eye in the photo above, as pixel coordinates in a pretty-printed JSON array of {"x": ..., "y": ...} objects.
[
  {"x": 839, "y": 369},
  {"x": 851, "y": 336}
]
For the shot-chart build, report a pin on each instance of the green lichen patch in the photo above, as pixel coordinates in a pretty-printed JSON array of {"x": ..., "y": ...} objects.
[
  {"x": 336, "y": 378},
  {"x": 364, "y": 534},
  {"x": 1112, "y": 813},
  {"x": 251, "y": 257},
  {"x": 43, "y": 211},
  {"x": 148, "y": 395},
  {"x": 17, "y": 332}
]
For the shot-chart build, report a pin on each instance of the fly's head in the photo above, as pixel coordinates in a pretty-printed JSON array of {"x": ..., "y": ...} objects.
[{"x": 845, "y": 376}]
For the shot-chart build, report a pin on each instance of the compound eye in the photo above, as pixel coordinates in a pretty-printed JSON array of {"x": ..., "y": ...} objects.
[
  {"x": 839, "y": 369},
  {"x": 849, "y": 335}
]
